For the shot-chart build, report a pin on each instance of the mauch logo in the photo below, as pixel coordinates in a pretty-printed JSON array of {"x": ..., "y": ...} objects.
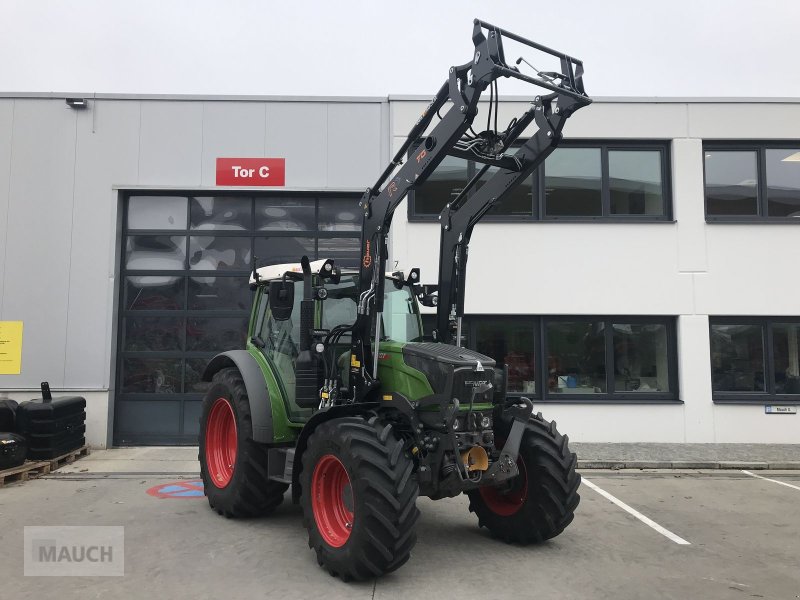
[
  {"x": 79, "y": 551},
  {"x": 50, "y": 551}
]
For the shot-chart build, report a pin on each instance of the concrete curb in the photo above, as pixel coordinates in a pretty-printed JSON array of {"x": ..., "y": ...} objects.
[{"x": 685, "y": 464}]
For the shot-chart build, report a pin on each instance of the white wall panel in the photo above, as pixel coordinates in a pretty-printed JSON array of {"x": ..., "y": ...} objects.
[
  {"x": 232, "y": 129},
  {"x": 740, "y": 121},
  {"x": 750, "y": 425},
  {"x": 688, "y": 202},
  {"x": 560, "y": 268},
  {"x": 633, "y": 121},
  {"x": 752, "y": 270},
  {"x": 171, "y": 143},
  {"x": 107, "y": 155},
  {"x": 599, "y": 120},
  {"x": 354, "y": 145},
  {"x": 6, "y": 121},
  {"x": 298, "y": 132},
  {"x": 694, "y": 372},
  {"x": 655, "y": 423},
  {"x": 39, "y": 234}
]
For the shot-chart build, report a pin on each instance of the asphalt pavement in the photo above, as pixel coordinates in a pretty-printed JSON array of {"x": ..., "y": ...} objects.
[{"x": 637, "y": 534}]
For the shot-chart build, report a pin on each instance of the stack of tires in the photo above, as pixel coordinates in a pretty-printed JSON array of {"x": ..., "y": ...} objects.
[
  {"x": 52, "y": 426},
  {"x": 40, "y": 429},
  {"x": 13, "y": 447}
]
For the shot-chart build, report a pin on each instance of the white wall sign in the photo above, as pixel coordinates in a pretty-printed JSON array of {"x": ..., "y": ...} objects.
[{"x": 780, "y": 410}]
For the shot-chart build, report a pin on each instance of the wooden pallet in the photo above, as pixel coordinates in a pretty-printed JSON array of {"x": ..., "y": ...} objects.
[
  {"x": 34, "y": 468},
  {"x": 30, "y": 469},
  {"x": 69, "y": 457}
]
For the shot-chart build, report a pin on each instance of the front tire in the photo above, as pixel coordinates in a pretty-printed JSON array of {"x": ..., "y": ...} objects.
[
  {"x": 234, "y": 467},
  {"x": 540, "y": 502},
  {"x": 359, "y": 497}
]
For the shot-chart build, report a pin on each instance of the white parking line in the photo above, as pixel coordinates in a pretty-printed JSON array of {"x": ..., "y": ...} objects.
[
  {"x": 789, "y": 485},
  {"x": 646, "y": 520}
]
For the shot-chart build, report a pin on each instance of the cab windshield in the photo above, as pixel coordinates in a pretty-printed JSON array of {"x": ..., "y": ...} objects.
[{"x": 401, "y": 321}]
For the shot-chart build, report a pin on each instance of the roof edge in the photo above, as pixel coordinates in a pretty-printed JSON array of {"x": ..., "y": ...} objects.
[
  {"x": 639, "y": 99},
  {"x": 391, "y": 98},
  {"x": 194, "y": 97}
]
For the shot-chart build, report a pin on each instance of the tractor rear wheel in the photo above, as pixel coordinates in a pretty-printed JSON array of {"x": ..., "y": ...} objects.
[
  {"x": 540, "y": 502},
  {"x": 359, "y": 498},
  {"x": 234, "y": 467}
]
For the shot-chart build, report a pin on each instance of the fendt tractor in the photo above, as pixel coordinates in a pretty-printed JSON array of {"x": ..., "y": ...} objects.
[{"x": 338, "y": 393}]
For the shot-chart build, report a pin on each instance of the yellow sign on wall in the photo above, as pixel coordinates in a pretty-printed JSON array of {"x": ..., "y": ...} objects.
[{"x": 10, "y": 347}]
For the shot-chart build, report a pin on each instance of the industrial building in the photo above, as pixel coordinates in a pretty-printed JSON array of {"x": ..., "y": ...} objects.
[{"x": 639, "y": 286}]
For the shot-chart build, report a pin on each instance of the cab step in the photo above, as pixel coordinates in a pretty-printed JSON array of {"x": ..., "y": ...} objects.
[{"x": 281, "y": 463}]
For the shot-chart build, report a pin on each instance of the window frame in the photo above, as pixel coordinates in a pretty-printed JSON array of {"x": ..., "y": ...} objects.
[
  {"x": 760, "y": 147},
  {"x": 540, "y": 349},
  {"x": 538, "y": 215},
  {"x": 769, "y": 396}
]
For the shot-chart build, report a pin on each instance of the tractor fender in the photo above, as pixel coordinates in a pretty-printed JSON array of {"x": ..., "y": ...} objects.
[
  {"x": 334, "y": 412},
  {"x": 257, "y": 392}
]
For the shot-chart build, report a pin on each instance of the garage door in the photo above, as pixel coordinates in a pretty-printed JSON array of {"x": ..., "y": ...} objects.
[{"x": 184, "y": 294}]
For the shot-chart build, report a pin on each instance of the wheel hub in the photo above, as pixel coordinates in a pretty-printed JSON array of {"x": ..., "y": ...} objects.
[
  {"x": 506, "y": 502},
  {"x": 221, "y": 442},
  {"x": 332, "y": 500}
]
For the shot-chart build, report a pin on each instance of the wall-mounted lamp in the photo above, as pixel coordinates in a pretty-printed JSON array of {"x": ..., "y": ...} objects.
[{"x": 78, "y": 103}]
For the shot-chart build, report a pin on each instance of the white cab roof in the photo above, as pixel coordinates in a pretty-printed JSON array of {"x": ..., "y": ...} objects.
[
  {"x": 276, "y": 271},
  {"x": 273, "y": 272}
]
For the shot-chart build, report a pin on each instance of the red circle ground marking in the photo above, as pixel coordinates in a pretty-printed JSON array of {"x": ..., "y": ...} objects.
[{"x": 178, "y": 489}]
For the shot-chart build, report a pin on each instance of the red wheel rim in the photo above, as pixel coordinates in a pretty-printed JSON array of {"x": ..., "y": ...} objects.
[
  {"x": 221, "y": 442},
  {"x": 507, "y": 502},
  {"x": 332, "y": 501}
]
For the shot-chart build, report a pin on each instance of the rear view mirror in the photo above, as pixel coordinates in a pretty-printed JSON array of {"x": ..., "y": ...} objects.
[
  {"x": 281, "y": 299},
  {"x": 427, "y": 294}
]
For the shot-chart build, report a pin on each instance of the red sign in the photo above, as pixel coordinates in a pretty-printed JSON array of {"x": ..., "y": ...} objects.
[{"x": 251, "y": 171}]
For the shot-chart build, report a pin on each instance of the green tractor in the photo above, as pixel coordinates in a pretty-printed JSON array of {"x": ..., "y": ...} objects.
[{"x": 341, "y": 396}]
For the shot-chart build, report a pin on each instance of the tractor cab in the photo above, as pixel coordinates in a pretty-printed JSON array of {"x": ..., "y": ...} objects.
[{"x": 275, "y": 325}]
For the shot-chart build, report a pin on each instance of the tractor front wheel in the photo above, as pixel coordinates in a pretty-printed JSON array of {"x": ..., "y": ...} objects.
[
  {"x": 359, "y": 498},
  {"x": 234, "y": 467},
  {"x": 540, "y": 502}
]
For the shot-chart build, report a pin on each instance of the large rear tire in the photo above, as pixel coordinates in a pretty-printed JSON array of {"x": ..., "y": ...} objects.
[
  {"x": 234, "y": 467},
  {"x": 539, "y": 503},
  {"x": 359, "y": 497}
]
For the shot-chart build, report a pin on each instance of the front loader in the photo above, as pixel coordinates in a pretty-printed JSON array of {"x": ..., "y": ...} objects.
[{"x": 338, "y": 393}]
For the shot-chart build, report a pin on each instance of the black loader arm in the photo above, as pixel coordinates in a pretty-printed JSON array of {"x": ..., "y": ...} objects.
[
  {"x": 549, "y": 112},
  {"x": 459, "y": 96}
]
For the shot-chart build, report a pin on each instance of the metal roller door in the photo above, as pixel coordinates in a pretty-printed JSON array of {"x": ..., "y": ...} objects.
[{"x": 184, "y": 294}]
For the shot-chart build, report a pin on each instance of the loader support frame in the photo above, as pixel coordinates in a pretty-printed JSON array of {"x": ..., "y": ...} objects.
[{"x": 462, "y": 90}]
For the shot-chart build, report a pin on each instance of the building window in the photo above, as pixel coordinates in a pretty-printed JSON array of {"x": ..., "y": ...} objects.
[
  {"x": 184, "y": 297},
  {"x": 619, "y": 358},
  {"x": 444, "y": 184},
  {"x": 578, "y": 181},
  {"x": 581, "y": 358},
  {"x": 606, "y": 181},
  {"x": 510, "y": 341},
  {"x": 755, "y": 359},
  {"x": 752, "y": 181},
  {"x": 573, "y": 183}
]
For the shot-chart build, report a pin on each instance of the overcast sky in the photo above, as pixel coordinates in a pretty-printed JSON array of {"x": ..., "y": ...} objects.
[{"x": 362, "y": 48}]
